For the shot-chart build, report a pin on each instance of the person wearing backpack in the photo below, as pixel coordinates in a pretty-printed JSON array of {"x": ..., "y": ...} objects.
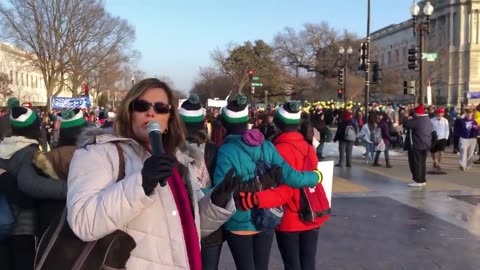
[
  {"x": 346, "y": 137},
  {"x": 245, "y": 151},
  {"x": 371, "y": 136},
  {"x": 385, "y": 130},
  {"x": 296, "y": 237},
  {"x": 192, "y": 115},
  {"x": 16, "y": 153}
]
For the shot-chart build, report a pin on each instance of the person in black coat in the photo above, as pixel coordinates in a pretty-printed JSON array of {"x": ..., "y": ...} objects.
[
  {"x": 345, "y": 144},
  {"x": 418, "y": 143}
]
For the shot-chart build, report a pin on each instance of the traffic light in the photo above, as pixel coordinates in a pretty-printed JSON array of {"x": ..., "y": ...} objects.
[
  {"x": 250, "y": 74},
  {"x": 409, "y": 87},
  {"x": 340, "y": 93},
  {"x": 413, "y": 58},
  {"x": 341, "y": 76},
  {"x": 363, "y": 56},
  {"x": 376, "y": 73}
]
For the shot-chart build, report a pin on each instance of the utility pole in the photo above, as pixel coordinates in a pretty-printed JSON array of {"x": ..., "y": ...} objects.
[
  {"x": 420, "y": 69},
  {"x": 422, "y": 27},
  {"x": 367, "y": 65},
  {"x": 252, "y": 92}
]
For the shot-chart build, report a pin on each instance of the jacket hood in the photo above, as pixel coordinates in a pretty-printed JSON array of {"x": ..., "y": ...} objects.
[
  {"x": 294, "y": 139},
  {"x": 10, "y": 145},
  {"x": 289, "y": 137},
  {"x": 253, "y": 137},
  {"x": 190, "y": 153},
  {"x": 91, "y": 135}
]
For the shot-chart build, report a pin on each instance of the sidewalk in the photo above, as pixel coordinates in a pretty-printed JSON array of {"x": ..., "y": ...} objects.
[{"x": 380, "y": 223}]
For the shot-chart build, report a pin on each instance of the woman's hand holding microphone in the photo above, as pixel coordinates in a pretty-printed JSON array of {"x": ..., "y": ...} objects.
[{"x": 156, "y": 169}]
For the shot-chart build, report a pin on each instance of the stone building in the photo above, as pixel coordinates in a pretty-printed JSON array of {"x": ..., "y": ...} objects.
[
  {"x": 454, "y": 36},
  {"x": 26, "y": 82}
]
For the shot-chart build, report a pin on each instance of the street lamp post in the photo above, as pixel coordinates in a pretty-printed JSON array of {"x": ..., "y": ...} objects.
[
  {"x": 345, "y": 58},
  {"x": 266, "y": 99},
  {"x": 422, "y": 27}
]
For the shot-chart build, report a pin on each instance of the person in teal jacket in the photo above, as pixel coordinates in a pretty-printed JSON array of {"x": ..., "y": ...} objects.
[{"x": 251, "y": 248}]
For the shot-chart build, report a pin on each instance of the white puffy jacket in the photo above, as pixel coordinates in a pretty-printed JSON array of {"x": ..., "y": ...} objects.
[{"x": 97, "y": 205}]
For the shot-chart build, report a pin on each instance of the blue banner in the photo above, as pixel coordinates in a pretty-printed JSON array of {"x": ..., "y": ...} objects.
[
  {"x": 69, "y": 103},
  {"x": 473, "y": 95}
]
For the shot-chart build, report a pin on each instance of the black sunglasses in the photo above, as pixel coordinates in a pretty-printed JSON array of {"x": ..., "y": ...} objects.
[{"x": 141, "y": 105}]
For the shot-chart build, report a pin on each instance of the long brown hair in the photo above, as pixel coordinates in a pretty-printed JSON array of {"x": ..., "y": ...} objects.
[{"x": 175, "y": 135}]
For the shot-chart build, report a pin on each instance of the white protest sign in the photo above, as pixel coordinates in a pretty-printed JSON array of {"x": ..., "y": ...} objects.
[
  {"x": 216, "y": 103},
  {"x": 326, "y": 168}
]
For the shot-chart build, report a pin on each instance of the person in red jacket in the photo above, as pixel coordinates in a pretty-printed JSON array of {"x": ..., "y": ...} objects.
[{"x": 297, "y": 240}]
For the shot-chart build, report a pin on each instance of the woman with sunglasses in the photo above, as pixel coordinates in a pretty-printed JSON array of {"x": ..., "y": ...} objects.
[{"x": 167, "y": 221}]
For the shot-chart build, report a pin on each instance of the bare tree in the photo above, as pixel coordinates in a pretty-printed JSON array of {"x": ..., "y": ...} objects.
[
  {"x": 234, "y": 65},
  {"x": 59, "y": 35},
  {"x": 212, "y": 84},
  {"x": 106, "y": 75},
  {"x": 95, "y": 38},
  {"x": 40, "y": 29}
]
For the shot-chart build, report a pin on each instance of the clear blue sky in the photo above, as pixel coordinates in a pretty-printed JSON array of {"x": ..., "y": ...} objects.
[{"x": 176, "y": 37}]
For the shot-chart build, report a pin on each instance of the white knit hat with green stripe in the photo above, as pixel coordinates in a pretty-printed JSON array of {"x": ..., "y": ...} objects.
[
  {"x": 72, "y": 118},
  {"x": 191, "y": 110},
  {"x": 289, "y": 113},
  {"x": 236, "y": 112}
]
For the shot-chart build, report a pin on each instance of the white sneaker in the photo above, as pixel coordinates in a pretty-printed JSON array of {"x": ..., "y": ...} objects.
[{"x": 417, "y": 184}]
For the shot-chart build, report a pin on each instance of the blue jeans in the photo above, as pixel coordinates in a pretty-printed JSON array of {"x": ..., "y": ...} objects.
[{"x": 370, "y": 148}]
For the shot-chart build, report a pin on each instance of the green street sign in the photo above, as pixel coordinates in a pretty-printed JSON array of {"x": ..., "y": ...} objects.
[
  {"x": 430, "y": 56},
  {"x": 257, "y": 84},
  {"x": 256, "y": 78}
]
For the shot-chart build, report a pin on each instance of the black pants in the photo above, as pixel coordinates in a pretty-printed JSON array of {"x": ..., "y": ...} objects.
[
  {"x": 17, "y": 253},
  {"x": 211, "y": 257},
  {"x": 250, "y": 252},
  {"x": 417, "y": 160},
  {"x": 298, "y": 249}
]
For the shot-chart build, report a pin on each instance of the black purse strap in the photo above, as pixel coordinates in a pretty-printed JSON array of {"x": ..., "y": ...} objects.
[{"x": 121, "y": 161}]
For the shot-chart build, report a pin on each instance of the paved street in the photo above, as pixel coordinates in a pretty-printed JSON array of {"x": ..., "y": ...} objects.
[{"x": 380, "y": 223}]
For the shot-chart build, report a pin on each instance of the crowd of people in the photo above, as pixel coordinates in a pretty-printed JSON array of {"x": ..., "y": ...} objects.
[
  {"x": 170, "y": 209},
  {"x": 230, "y": 175},
  {"x": 419, "y": 130}
]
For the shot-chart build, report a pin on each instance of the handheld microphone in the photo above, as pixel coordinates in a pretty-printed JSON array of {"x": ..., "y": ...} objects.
[{"x": 155, "y": 135}]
